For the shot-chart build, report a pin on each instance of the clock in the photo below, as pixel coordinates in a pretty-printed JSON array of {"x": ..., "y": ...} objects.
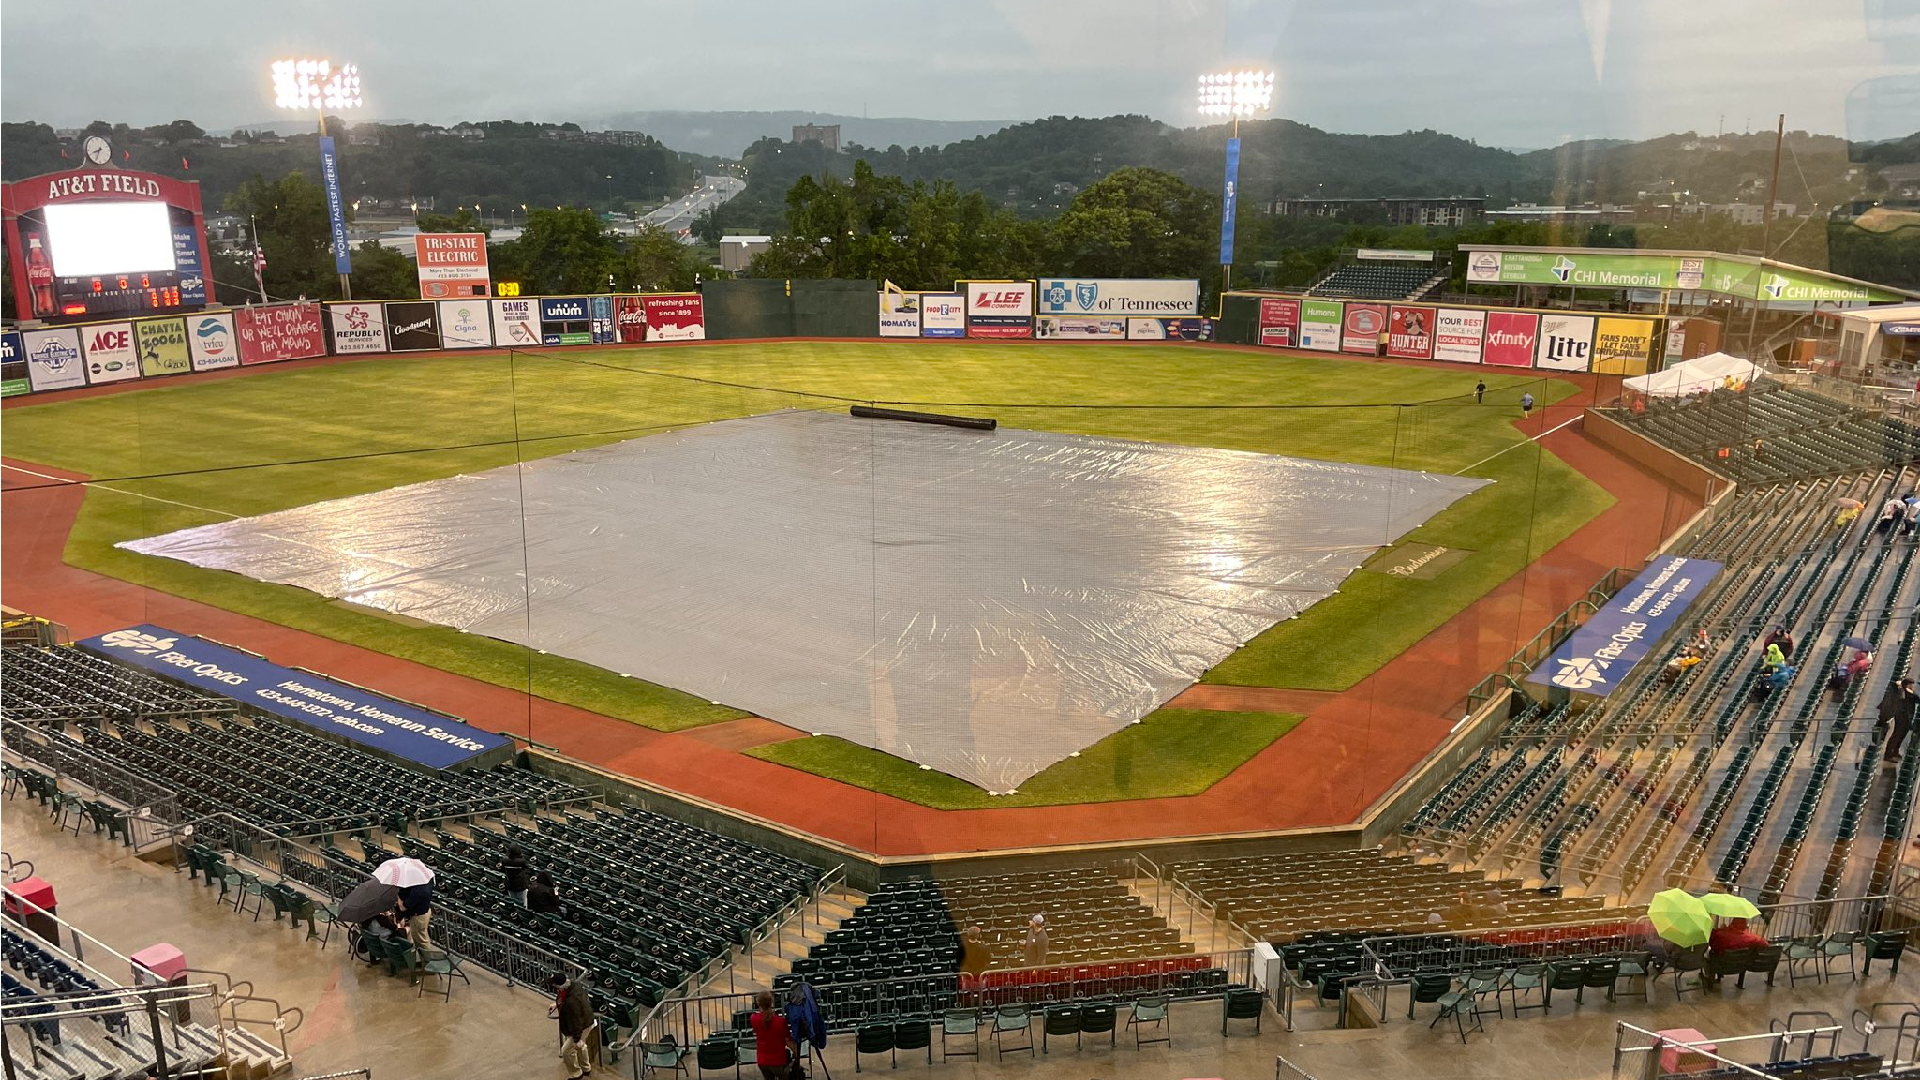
[{"x": 98, "y": 150}]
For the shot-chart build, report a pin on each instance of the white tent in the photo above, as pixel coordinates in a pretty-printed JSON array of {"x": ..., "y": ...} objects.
[{"x": 1709, "y": 372}]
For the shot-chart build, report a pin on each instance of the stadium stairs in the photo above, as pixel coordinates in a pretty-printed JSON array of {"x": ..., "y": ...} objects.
[
  {"x": 654, "y": 906},
  {"x": 1692, "y": 779},
  {"x": 84, "y": 1034}
]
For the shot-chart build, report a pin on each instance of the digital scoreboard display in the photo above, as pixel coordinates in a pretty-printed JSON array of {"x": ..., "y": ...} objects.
[
  {"x": 105, "y": 245},
  {"x": 104, "y": 258}
]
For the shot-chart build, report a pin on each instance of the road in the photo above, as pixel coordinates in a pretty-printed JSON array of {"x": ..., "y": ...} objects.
[{"x": 678, "y": 215}]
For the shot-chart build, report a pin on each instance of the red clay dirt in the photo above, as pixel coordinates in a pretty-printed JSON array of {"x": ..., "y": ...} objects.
[{"x": 1351, "y": 749}]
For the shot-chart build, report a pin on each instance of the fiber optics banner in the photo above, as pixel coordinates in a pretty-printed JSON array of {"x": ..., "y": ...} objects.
[
  {"x": 1599, "y": 655},
  {"x": 365, "y": 717}
]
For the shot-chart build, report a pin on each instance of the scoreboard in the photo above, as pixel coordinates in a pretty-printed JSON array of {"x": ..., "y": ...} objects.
[{"x": 105, "y": 243}]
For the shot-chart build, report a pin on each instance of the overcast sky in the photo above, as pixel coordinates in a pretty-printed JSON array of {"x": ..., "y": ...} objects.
[{"x": 1524, "y": 73}]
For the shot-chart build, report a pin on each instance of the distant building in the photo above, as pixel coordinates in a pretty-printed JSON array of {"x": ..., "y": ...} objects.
[
  {"x": 1453, "y": 210},
  {"x": 827, "y": 135},
  {"x": 1588, "y": 213},
  {"x": 736, "y": 252},
  {"x": 620, "y": 138},
  {"x": 466, "y": 130}
]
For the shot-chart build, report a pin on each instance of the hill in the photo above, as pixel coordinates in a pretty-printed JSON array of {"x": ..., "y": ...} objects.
[{"x": 728, "y": 134}]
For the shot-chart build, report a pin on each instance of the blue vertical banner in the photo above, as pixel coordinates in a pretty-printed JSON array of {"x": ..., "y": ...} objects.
[
  {"x": 336, "y": 210},
  {"x": 1227, "y": 202}
]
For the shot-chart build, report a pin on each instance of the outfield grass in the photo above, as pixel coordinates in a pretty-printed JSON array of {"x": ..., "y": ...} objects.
[
  {"x": 1171, "y": 752},
  {"x": 276, "y": 439}
]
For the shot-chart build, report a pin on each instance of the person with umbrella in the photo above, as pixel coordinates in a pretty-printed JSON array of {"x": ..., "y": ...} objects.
[
  {"x": 414, "y": 880},
  {"x": 370, "y": 907}
]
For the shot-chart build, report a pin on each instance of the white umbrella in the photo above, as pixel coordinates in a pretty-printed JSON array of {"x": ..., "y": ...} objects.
[{"x": 403, "y": 873}]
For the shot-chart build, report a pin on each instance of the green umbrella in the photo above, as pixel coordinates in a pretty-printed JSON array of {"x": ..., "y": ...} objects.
[
  {"x": 1729, "y": 906},
  {"x": 1679, "y": 916}
]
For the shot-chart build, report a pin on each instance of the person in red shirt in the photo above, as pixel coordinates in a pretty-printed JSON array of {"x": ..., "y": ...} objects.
[
  {"x": 1734, "y": 935},
  {"x": 772, "y": 1046}
]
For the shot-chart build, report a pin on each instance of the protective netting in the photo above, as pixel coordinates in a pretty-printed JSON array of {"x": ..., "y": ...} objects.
[{"x": 985, "y": 603}]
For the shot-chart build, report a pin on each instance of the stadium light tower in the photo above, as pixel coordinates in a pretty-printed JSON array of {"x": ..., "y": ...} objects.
[
  {"x": 318, "y": 85},
  {"x": 1233, "y": 94}
]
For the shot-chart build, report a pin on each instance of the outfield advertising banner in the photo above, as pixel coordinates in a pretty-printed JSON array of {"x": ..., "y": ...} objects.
[
  {"x": 211, "y": 342},
  {"x": 1410, "y": 332},
  {"x": 629, "y": 320},
  {"x": 463, "y": 324},
  {"x": 413, "y": 325},
  {"x": 1118, "y": 296},
  {"x": 565, "y": 320},
  {"x": 53, "y": 359},
  {"x": 358, "y": 328},
  {"x": 999, "y": 309},
  {"x": 1601, "y": 653},
  {"x": 451, "y": 265},
  {"x": 943, "y": 315},
  {"x": 602, "y": 322},
  {"x": 110, "y": 354},
  {"x": 676, "y": 317},
  {"x": 1279, "y": 321},
  {"x": 1360, "y": 330},
  {"x": 899, "y": 314},
  {"x": 162, "y": 346},
  {"x": 1622, "y": 346},
  {"x": 13, "y": 365},
  {"x": 1079, "y": 329},
  {"x": 1199, "y": 329},
  {"x": 279, "y": 332},
  {"x": 1566, "y": 342},
  {"x": 1320, "y": 325},
  {"x": 515, "y": 323},
  {"x": 1510, "y": 338},
  {"x": 1458, "y": 334},
  {"x": 310, "y": 700}
]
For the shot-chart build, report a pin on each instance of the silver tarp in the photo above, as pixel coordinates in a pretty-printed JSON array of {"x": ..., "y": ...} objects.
[{"x": 985, "y": 603}]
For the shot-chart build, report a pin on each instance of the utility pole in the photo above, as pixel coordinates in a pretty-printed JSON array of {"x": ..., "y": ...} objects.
[{"x": 1766, "y": 237}]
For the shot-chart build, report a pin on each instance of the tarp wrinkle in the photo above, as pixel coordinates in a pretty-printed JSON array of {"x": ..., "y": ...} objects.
[{"x": 983, "y": 603}]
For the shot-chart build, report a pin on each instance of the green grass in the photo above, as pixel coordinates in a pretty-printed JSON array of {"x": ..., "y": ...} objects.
[
  {"x": 277, "y": 439},
  {"x": 1171, "y": 752}
]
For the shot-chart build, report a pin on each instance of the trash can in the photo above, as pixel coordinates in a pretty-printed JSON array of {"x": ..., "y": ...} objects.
[
  {"x": 163, "y": 965},
  {"x": 31, "y": 901}
]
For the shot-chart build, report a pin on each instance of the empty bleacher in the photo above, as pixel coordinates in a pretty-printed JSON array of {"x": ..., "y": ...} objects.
[
  {"x": 1377, "y": 281},
  {"x": 1694, "y": 779},
  {"x": 1799, "y": 433},
  {"x": 652, "y": 905}
]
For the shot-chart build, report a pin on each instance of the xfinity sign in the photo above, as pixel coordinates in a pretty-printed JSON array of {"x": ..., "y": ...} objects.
[
  {"x": 1600, "y": 655},
  {"x": 1118, "y": 296}
]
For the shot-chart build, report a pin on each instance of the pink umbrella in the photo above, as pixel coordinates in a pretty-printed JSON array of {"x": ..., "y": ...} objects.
[{"x": 403, "y": 873}]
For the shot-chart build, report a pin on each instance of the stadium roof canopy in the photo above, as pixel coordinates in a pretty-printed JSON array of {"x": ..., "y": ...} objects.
[{"x": 1746, "y": 277}]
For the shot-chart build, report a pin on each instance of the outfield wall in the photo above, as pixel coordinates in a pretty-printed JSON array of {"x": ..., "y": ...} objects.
[
  {"x": 1047, "y": 309},
  {"x": 1497, "y": 337}
]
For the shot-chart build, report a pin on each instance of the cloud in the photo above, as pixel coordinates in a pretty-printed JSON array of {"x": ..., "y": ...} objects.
[{"x": 1507, "y": 72}]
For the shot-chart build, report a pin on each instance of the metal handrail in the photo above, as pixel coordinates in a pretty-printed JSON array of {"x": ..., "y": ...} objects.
[{"x": 278, "y": 1024}]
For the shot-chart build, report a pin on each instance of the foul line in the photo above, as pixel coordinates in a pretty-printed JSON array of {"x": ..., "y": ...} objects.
[
  {"x": 1515, "y": 446},
  {"x": 120, "y": 491}
]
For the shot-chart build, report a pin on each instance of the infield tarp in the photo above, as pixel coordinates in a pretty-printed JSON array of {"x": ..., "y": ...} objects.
[{"x": 985, "y": 603}]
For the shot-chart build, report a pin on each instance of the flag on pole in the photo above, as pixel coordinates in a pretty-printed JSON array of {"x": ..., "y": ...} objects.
[{"x": 259, "y": 259}]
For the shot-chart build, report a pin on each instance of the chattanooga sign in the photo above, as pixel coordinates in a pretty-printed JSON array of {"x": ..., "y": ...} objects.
[
  {"x": 391, "y": 726},
  {"x": 1601, "y": 653},
  {"x": 1118, "y": 296}
]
